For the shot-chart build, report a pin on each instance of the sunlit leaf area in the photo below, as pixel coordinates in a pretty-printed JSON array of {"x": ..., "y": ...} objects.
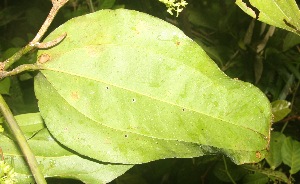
[{"x": 149, "y": 91}]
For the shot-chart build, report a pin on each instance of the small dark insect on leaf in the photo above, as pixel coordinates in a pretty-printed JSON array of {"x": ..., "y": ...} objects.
[{"x": 291, "y": 25}]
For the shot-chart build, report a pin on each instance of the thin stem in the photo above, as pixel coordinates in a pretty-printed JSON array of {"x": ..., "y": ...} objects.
[
  {"x": 29, "y": 156},
  {"x": 91, "y": 6},
  {"x": 284, "y": 126},
  {"x": 227, "y": 172},
  {"x": 7, "y": 63},
  {"x": 57, "y": 4},
  {"x": 20, "y": 69},
  {"x": 4, "y": 109},
  {"x": 292, "y": 104},
  {"x": 51, "y": 43}
]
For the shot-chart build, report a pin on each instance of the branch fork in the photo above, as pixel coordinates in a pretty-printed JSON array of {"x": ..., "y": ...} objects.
[
  {"x": 4, "y": 109},
  {"x": 35, "y": 43}
]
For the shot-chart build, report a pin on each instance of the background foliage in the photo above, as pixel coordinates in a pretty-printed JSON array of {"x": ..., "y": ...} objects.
[{"x": 223, "y": 30}]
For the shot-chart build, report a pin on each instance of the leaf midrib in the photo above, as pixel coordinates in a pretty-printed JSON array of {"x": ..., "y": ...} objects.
[{"x": 163, "y": 101}]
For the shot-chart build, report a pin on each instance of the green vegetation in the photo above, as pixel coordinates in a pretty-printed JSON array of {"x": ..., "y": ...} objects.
[{"x": 118, "y": 96}]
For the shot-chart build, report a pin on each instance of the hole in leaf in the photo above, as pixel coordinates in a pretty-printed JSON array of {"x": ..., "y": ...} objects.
[{"x": 253, "y": 8}]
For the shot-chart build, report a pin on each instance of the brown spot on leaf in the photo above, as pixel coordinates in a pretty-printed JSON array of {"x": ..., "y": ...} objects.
[
  {"x": 75, "y": 95},
  {"x": 258, "y": 154},
  {"x": 2, "y": 65},
  {"x": 44, "y": 58}
]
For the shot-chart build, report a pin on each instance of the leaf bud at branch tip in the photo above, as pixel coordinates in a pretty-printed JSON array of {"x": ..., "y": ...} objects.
[{"x": 51, "y": 43}]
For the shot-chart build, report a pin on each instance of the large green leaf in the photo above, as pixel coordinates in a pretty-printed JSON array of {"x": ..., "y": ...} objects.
[
  {"x": 283, "y": 14},
  {"x": 54, "y": 160},
  {"x": 274, "y": 158},
  {"x": 126, "y": 87},
  {"x": 30, "y": 123},
  {"x": 255, "y": 178},
  {"x": 290, "y": 152}
]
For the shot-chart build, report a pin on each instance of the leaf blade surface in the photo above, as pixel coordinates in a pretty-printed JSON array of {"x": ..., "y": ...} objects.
[
  {"x": 55, "y": 161},
  {"x": 150, "y": 83},
  {"x": 282, "y": 14}
]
